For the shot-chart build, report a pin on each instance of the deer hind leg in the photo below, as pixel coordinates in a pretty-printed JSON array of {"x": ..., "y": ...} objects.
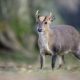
[
  {"x": 42, "y": 60},
  {"x": 59, "y": 61},
  {"x": 77, "y": 53}
]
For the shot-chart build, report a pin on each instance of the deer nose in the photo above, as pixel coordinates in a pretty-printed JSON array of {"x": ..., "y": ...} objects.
[{"x": 39, "y": 30}]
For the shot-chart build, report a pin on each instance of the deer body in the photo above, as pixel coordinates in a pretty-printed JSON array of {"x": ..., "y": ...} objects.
[{"x": 56, "y": 40}]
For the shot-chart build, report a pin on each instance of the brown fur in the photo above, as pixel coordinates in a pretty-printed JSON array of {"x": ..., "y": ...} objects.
[{"x": 63, "y": 38}]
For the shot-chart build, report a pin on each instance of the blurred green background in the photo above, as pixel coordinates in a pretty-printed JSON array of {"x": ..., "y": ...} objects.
[{"x": 18, "y": 37}]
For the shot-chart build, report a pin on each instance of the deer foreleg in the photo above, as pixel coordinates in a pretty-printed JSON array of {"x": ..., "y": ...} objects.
[
  {"x": 42, "y": 60},
  {"x": 54, "y": 57}
]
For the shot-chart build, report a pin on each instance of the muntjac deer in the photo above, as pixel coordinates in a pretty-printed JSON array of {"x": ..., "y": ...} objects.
[{"x": 56, "y": 40}]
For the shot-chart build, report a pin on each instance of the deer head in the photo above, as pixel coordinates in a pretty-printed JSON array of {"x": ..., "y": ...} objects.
[{"x": 43, "y": 22}]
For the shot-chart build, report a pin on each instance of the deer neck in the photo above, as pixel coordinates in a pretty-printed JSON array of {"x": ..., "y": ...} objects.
[
  {"x": 46, "y": 34},
  {"x": 44, "y": 38}
]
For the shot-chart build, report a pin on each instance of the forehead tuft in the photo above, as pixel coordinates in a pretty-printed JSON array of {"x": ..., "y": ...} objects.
[{"x": 41, "y": 18}]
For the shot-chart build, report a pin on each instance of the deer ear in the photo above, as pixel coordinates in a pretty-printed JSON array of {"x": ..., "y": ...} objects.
[{"x": 51, "y": 17}]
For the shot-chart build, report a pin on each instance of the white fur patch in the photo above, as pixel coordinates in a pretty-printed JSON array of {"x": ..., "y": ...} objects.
[
  {"x": 44, "y": 42},
  {"x": 41, "y": 18}
]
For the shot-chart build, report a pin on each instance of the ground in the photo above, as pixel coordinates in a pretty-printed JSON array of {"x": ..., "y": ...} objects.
[
  {"x": 40, "y": 75},
  {"x": 33, "y": 72},
  {"x": 12, "y": 71}
]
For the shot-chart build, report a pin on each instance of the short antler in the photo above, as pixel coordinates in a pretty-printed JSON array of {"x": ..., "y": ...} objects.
[
  {"x": 37, "y": 15},
  {"x": 37, "y": 12}
]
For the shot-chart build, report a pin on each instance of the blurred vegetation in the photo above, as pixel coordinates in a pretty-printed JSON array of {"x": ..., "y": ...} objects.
[{"x": 18, "y": 38}]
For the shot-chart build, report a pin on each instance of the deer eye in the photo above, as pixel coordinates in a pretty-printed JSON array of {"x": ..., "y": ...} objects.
[{"x": 45, "y": 23}]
